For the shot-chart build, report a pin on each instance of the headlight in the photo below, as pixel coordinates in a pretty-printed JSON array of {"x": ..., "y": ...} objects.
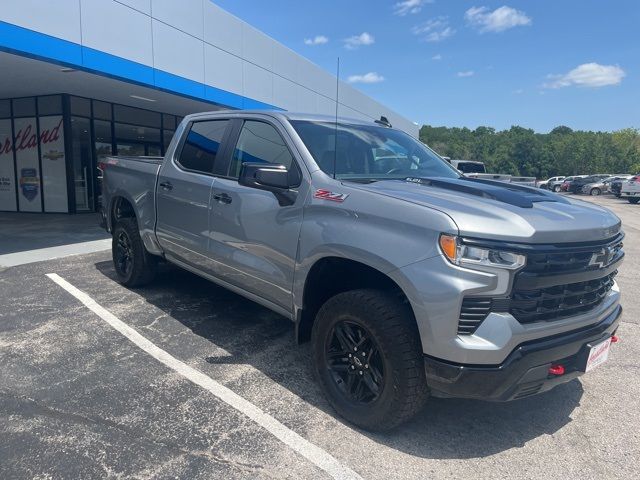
[{"x": 469, "y": 256}]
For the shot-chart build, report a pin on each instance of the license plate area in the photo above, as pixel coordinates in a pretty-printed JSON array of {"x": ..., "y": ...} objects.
[{"x": 598, "y": 354}]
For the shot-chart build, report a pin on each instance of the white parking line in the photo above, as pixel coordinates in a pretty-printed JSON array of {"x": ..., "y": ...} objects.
[
  {"x": 311, "y": 452},
  {"x": 42, "y": 254}
]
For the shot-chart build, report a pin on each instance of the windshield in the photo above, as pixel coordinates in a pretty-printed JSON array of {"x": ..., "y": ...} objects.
[{"x": 370, "y": 153}]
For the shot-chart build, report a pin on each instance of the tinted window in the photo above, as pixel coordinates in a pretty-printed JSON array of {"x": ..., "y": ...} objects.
[
  {"x": 202, "y": 145},
  {"x": 260, "y": 142}
]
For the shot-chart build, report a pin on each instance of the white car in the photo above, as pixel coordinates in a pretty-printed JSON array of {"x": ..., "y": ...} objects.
[
  {"x": 552, "y": 183},
  {"x": 631, "y": 189}
]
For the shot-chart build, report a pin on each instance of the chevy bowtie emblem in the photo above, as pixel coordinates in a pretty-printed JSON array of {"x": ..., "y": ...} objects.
[
  {"x": 328, "y": 195},
  {"x": 53, "y": 155},
  {"x": 602, "y": 258}
]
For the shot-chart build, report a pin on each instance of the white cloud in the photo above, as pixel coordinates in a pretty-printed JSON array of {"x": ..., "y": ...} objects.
[
  {"x": 437, "y": 57},
  {"x": 499, "y": 20},
  {"x": 467, "y": 73},
  {"x": 371, "y": 77},
  {"x": 317, "y": 40},
  {"x": 356, "y": 41},
  {"x": 407, "y": 7},
  {"x": 588, "y": 75},
  {"x": 434, "y": 30}
]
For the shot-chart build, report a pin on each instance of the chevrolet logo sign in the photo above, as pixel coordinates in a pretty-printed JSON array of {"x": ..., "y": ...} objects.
[{"x": 603, "y": 258}]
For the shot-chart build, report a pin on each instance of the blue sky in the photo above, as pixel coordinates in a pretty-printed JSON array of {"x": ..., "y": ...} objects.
[{"x": 534, "y": 63}]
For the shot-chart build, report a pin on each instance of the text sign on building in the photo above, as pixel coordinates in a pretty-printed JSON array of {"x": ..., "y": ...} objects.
[
  {"x": 7, "y": 172},
  {"x": 54, "y": 171},
  {"x": 26, "y": 178}
]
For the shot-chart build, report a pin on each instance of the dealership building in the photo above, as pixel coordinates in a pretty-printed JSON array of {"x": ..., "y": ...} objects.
[{"x": 82, "y": 79}]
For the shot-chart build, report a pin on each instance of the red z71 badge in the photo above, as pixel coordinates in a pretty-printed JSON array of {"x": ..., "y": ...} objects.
[{"x": 333, "y": 196}]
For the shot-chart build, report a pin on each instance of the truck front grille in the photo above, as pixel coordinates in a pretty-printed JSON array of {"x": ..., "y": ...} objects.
[
  {"x": 554, "y": 303},
  {"x": 548, "y": 288},
  {"x": 570, "y": 260}
]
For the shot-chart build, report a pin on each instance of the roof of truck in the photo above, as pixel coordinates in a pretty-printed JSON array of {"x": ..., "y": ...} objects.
[{"x": 284, "y": 115}]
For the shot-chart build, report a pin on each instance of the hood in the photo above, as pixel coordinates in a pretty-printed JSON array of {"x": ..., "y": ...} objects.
[{"x": 502, "y": 211}]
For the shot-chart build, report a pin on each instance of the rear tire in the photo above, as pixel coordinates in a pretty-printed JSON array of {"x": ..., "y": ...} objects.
[
  {"x": 633, "y": 200},
  {"x": 387, "y": 384},
  {"x": 595, "y": 192},
  {"x": 134, "y": 266}
]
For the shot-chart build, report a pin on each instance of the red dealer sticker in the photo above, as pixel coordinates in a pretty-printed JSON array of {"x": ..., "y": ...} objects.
[{"x": 333, "y": 196}]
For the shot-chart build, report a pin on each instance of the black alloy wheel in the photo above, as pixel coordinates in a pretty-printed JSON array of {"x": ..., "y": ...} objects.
[
  {"x": 124, "y": 254},
  {"x": 134, "y": 266},
  {"x": 355, "y": 363}
]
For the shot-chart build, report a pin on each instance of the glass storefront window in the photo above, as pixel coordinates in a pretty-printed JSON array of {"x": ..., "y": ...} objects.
[
  {"x": 5, "y": 108},
  {"x": 81, "y": 106},
  {"x": 101, "y": 110},
  {"x": 50, "y": 105},
  {"x": 98, "y": 129},
  {"x": 103, "y": 147},
  {"x": 136, "y": 116},
  {"x": 82, "y": 170},
  {"x": 166, "y": 138},
  {"x": 24, "y": 107},
  {"x": 168, "y": 122}
]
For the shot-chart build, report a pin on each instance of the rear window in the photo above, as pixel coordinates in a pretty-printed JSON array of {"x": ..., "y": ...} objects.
[{"x": 202, "y": 146}]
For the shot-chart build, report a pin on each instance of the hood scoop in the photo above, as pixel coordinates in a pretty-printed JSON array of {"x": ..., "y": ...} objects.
[{"x": 516, "y": 195}]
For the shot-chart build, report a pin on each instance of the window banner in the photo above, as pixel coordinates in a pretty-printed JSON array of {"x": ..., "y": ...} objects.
[
  {"x": 7, "y": 172},
  {"x": 26, "y": 145},
  {"x": 54, "y": 170}
]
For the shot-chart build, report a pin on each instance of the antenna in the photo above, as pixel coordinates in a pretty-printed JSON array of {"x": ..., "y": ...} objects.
[{"x": 335, "y": 136}]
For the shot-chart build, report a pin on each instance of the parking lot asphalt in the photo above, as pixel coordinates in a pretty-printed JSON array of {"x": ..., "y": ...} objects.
[{"x": 80, "y": 400}]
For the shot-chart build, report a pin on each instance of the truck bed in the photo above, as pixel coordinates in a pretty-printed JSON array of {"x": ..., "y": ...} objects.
[{"x": 133, "y": 178}]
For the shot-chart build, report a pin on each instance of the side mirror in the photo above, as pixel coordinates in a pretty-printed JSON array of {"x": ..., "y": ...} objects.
[
  {"x": 270, "y": 177},
  {"x": 264, "y": 176}
]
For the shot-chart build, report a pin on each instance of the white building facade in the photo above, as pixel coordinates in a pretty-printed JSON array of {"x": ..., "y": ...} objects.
[{"x": 87, "y": 78}]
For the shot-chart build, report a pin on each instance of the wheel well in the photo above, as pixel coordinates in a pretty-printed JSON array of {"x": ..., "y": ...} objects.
[
  {"x": 121, "y": 208},
  {"x": 333, "y": 275}
]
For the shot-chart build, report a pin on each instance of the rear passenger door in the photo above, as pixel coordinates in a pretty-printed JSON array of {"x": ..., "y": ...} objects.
[
  {"x": 253, "y": 237},
  {"x": 184, "y": 193}
]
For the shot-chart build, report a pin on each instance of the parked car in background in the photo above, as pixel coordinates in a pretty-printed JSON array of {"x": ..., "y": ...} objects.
[
  {"x": 551, "y": 184},
  {"x": 577, "y": 184},
  {"x": 475, "y": 169},
  {"x": 631, "y": 189},
  {"x": 616, "y": 185},
  {"x": 598, "y": 188},
  {"x": 468, "y": 166},
  {"x": 564, "y": 186}
]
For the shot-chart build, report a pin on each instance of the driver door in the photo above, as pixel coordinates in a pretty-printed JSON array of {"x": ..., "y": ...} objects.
[{"x": 254, "y": 239}]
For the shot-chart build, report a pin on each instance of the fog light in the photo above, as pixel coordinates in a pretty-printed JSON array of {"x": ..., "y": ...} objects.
[{"x": 556, "y": 370}]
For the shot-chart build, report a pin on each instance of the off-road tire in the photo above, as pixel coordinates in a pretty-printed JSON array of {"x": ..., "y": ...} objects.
[
  {"x": 391, "y": 324},
  {"x": 143, "y": 265}
]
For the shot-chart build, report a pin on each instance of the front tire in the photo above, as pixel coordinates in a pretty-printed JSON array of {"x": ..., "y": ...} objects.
[
  {"x": 368, "y": 358},
  {"x": 134, "y": 266},
  {"x": 557, "y": 188},
  {"x": 633, "y": 200},
  {"x": 595, "y": 192}
]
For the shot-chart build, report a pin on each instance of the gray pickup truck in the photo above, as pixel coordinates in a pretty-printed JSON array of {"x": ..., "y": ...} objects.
[{"x": 409, "y": 279}]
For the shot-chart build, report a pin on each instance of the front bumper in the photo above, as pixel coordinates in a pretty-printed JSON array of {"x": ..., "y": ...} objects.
[{"x": 525, "y": 371}]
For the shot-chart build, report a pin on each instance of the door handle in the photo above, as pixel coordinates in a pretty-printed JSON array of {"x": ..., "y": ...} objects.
[
  {"x": 166, "y": 185},
  {"x": 222, "y": 198}
]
